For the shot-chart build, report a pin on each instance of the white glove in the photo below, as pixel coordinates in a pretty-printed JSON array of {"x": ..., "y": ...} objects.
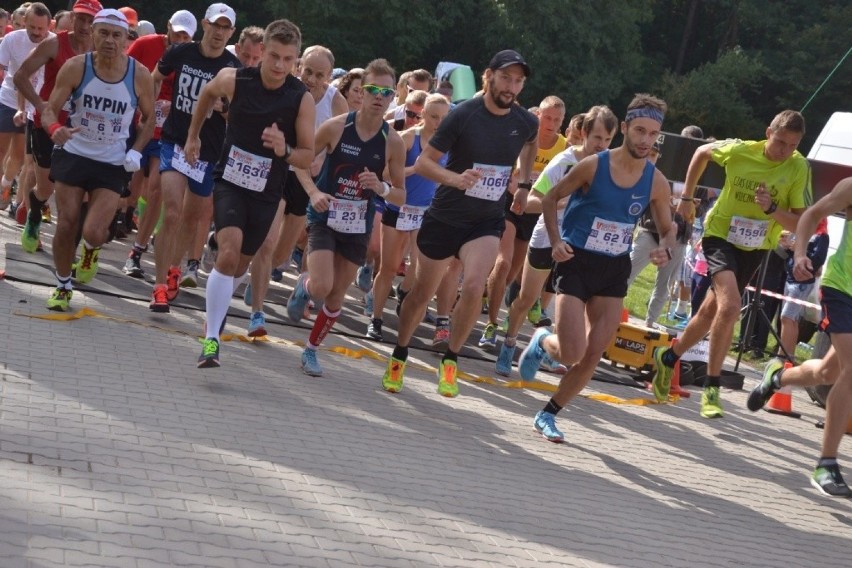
[{"x": 132, "y": 161}]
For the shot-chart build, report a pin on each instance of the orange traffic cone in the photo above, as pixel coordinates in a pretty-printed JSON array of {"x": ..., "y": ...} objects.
[
  {"x": 782, "y": 401},
  {"x": 625, "y": 315}
]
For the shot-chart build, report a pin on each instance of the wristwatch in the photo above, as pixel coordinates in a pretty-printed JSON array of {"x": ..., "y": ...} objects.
[
  {"x": 525, "y": 185},
  {"x": 771, "y": 209},
  {"x": 287, "y": 151}
]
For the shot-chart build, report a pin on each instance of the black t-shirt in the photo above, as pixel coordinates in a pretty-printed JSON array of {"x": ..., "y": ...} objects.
[
  {"x": 251, "y": 166},
  {"x": 471, "y": 134},
  {"x": 192, "y": 71}
]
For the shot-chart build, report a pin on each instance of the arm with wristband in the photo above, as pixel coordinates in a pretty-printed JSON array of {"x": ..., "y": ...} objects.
[{"x": 67, "y": 79}]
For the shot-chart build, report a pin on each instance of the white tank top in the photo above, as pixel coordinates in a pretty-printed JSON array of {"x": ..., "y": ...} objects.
[
  {"x": 103, "y": 113},
  {"x": 324, "y": 109}
]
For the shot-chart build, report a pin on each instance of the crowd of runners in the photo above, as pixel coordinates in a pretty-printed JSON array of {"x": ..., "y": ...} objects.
[{"x": 244, "y": 158}]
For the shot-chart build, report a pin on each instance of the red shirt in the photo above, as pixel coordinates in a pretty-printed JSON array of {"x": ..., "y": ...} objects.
[
  {"x": 64, "y": 52},
  {"x": 148, "y": 50}
]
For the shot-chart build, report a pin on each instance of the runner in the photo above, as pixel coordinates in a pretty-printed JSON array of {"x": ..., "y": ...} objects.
[
  {"x": 50, "y": 55},
  {"x": 484, "y": 137},
  {"x": 360, "y": 145},
  {"x": 106, "y": 88},
  {"x": 187, "y": 189},
  {"x": 597, "y": 131},
  {"x": 148, "y": 50},
  {"x": 766, "y": 187},
  {"x": 836, "y": 366},
  {"x": 399, "y": 226},
  {"x": 14, "y": 49},
  {"x": 608, "y": 193},
  {"x": 274, "y": 115},
  {"x": 516, "y": 237}
]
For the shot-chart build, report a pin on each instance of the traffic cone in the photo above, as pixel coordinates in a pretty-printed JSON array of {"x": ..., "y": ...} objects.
[
  {"x": 625, "y": 315},
  {"x": 782, "y": 401}
]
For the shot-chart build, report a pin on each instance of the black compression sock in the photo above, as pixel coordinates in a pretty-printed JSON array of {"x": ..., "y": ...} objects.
[
  {"x": 400, "y": 352},
  {"x": 552, "y": 407},
  {"x": 711, "y": 381}
]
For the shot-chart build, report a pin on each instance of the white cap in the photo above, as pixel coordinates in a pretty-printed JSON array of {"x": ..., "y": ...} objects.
[
  {"x": 219, "y": 10},
  {"x": 144, "y": 27},
  {"x": 111, "y": 17},
  {"x": 184, "y": 21}
]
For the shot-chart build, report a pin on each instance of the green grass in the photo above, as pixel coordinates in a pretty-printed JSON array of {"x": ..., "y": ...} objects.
[{"x": 639, "y": 293}]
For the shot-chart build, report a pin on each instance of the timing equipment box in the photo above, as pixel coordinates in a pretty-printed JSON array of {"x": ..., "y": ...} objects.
[{"x": 633, "y": 346}]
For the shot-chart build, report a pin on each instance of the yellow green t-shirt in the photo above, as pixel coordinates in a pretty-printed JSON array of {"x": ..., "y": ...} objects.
[
  {"x": 838, "y": 269},
  {"x": 735, "y": 216},
  {"x": 544, "y": 155}
]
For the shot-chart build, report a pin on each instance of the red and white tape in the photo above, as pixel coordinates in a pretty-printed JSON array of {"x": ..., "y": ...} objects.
[{"x": 785, "y": 298}]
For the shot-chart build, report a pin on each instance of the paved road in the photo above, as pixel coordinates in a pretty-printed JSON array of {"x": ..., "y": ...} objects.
[{"x": 116, "y": 451}]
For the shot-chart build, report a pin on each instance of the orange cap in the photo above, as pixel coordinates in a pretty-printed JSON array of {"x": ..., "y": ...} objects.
[{"x": 131, "y": 15}]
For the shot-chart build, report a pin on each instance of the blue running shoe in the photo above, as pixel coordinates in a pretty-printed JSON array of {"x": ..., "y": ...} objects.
[
  {"x": 550, "y": 365},
  {"x": 504, "y": 360},
  {"x": 257, "y": 325},
  {"x": 310, "y": 364},
  {"x": 545, "y": 424},
  {"x": 298, "y": 299},
  {"x": 533, "y": 355},
  {"x": 368, "y": 304},
  {"x": 296, "y": 259},
  {"x": 488, "y": 341},
  {"x": 247, "y": 295},
  {"x": 364, "y": 278}
]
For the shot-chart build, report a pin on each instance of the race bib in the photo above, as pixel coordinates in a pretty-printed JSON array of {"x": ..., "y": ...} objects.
[
  {"x": 610, "y": 237},
  {"x": 747, "y": 233},
  {"x": 493, "y": 182},
  {"x": 160, "y": 113},
  {"x": 410, "y": 218},
  {"x": 101, "y": 128},
  {"x": 346, "y": 216},
  {"x": 179, "y": 163},
  {"x": 246, "y": 169}
]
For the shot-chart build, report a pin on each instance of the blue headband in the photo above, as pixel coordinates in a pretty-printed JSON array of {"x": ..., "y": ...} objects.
[{"x": 644, "y": 112}]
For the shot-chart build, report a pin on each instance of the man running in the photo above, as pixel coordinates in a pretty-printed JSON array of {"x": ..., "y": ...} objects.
[
  {"x": 609, "y": 191},
  {"x": 360, "y": 145},
  {"x": 50, "y": 55},
  {"x": 484, "y": 136},
  {"x": 836, "y": 366},
  {"x": 187, "y": 189},
  {"x": 271, "y": 126},
  {"x": 766, "y": 186},
  {"x": 106, "y": 88}
]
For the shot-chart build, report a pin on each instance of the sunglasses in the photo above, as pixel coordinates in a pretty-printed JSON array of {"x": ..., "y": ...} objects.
[
  {"x": 376, "y": 90},
  {"x": 412, "y": 115}
]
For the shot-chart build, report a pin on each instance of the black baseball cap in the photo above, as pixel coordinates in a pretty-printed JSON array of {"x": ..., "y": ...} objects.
[{"x": 506, "y": 58}]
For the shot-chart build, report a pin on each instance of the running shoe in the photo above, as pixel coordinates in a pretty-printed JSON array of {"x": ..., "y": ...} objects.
[
  {"x": 662, "y": 381},
  {"x": 400, "y": 296},
  {"x": 504, "y": 360},
  {"x": 173, "y": 283},
  {"x": 484, "y": 309},
  {"x": 393, "y": 377},
  {"x": 29, "y": 236},
  {"x": 209, "y": 357},
  {"x": 364, "y": 278},
  {"x": 310, "y": 364},
  {"x": 545, "y": 424},
  {"x": 21, "y": 214},
  {"x": 544, "y": 320},
  {"x": 46, "y": 216},
  {"x": 512, "y": 291},
  {"x": 442, "y": 338},
  {"x": 368, "y": 304},
  {"x": 534, "y": 314},
  {"x": 159, "y": 299},
  {"x": 5, "y": 197},
  {"x": 13, "y": 209},
  {"x": 504, "y": 325},
  {"x": 87, "y": 268},
  {"x": 550, "y": 365},
  {"x": 298, "y": 299},
  {"x": 828, "y": 481},
  {"x": 247, "y": 295},
  {"x": 133, "y": 264},
  {"x": 447, "y": 385},
  {"x": 257, "y": 325},
  {"x": 488, "y": 341},
  {"x": 190, "y": 275},
  {"x": 277, "y": 275},
  {"x": 533, "y": 355},
  {"x": 711, "y": 405},
  {"x": 211, "y": 251},
  {"x": 60, "y": 299},
  {"x": 764, "y": 390},
  {"x": 374, "y": 330}
]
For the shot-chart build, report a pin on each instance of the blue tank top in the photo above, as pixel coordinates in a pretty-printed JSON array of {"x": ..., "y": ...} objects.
[
  {"x": 339, "y": 178},
  {"x": 419, "y": 190},
  {"x": 602, "y": 219}
]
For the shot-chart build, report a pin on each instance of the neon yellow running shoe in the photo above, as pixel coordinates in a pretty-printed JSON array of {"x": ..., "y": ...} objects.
[
  {"x": 534, "y": 314},
  {"x": 392, "y": 379},
  {"x": 88, "y": 265},
  {"x": 711, "y": 406},
  {"x": 59, "y": 300},
  {"x": 447, "y": 385}
]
